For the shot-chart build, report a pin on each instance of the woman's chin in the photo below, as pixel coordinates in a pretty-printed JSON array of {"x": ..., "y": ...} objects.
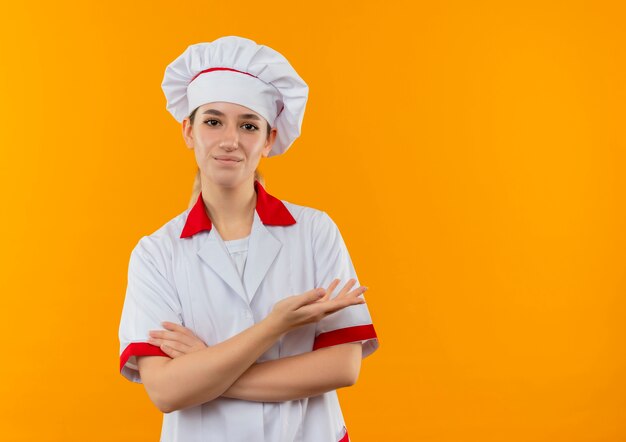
[{"x": 226, "y": 178}]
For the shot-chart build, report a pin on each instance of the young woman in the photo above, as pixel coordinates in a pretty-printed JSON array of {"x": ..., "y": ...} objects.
[{"x": 230, "y": 319}]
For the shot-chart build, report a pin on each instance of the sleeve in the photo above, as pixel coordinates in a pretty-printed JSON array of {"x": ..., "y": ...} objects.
[
  {"x": 150, "y": 300},
  {"x": 332, "y": 260}
]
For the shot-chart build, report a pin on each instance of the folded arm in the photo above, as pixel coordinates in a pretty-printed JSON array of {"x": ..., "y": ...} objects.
[
  {"x": 200, "y": 376},
  {"x": 300, "y": 376}
]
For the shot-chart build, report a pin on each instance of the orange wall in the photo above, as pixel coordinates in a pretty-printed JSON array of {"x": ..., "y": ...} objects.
[{"x": 472, "y": 154}]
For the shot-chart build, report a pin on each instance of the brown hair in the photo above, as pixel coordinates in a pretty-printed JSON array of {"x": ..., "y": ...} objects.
[{"x": 197, "y": 185}]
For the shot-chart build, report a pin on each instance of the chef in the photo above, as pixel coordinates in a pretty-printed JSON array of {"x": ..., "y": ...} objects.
[{"x": 243, "y": 314}]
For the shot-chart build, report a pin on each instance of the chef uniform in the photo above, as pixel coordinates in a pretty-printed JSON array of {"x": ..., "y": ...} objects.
[{"x": 185, "y": 273}]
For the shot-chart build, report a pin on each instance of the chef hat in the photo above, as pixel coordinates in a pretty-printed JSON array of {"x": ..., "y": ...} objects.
[{"x": 237, "y": 70}]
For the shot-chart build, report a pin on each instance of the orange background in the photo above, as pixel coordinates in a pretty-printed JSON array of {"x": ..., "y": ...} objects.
[{"x": 471, "y": 153}]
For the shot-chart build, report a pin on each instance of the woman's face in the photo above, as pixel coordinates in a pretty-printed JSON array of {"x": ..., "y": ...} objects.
[{"x": 228, "y": 141}]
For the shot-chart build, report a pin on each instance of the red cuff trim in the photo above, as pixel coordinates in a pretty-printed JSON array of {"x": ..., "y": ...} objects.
[
  {"x": 343, "y": 335},
  {"x": 140, "y": 349},
  {"x": 345, "y": 437}
]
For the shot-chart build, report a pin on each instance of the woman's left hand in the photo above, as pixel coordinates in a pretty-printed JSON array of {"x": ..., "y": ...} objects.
[{"x": 176, "y": 340}]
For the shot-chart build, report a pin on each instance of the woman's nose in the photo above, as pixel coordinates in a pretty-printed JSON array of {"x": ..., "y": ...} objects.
[{"x": 231, "y": 138}]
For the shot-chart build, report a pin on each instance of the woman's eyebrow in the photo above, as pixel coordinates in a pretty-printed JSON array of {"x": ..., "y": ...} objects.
[
  {"x": 249, "y": 117},
  {"x": 213, "y": 111},
  {"x": 221, "y": 114}
]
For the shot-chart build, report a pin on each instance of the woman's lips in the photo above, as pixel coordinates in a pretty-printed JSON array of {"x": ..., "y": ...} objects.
[{"x": 227, "y": 161}]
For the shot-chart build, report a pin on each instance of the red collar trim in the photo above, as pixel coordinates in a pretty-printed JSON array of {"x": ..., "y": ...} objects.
[{"x": 271, "y": 210}]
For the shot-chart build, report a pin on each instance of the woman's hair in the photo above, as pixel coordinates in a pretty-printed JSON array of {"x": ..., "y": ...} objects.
[{"x": 197, "y": 185}]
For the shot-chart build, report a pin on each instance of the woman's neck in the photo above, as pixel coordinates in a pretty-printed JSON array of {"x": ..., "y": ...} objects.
[{"x": 230, "y": 209}]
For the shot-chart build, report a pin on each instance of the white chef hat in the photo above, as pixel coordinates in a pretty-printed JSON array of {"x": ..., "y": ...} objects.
[{"x": 237, "y": 70}]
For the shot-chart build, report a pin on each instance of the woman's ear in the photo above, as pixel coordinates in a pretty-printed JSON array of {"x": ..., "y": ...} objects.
[
  {"x": 188, "y": 133},
  {"x": 269, "y": 142}
]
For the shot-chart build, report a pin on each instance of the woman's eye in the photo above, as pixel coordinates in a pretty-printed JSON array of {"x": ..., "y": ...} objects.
[
  {"x": 250, "y": 127},
  {"x": 212, "y": 122}
]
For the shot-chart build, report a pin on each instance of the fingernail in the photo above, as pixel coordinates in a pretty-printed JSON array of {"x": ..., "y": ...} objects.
[{"x": 365, "y": 288}]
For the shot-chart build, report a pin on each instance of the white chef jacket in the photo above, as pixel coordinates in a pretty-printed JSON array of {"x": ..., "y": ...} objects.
[
  {"x": 238, "y": 249},
  {"x": 183, "y": 273}
]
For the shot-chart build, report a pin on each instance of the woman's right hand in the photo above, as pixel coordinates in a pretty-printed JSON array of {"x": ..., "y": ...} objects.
[{"x": 314, "y": 305}]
